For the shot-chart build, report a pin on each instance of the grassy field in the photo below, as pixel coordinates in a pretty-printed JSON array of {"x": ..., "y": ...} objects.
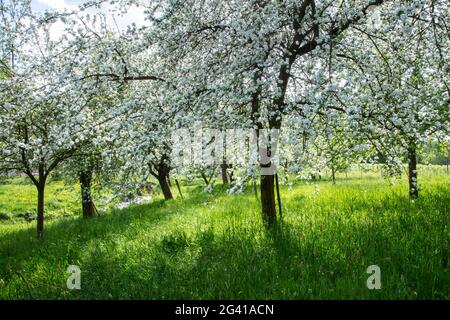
[
  {"x": 18, "y": 200},
  {"x": 213, "y": 246}
]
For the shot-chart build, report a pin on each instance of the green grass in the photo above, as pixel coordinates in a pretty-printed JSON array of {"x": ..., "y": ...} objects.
[
  {"x": 214, "y": 246},
  {"x": 18, "y": 198}
]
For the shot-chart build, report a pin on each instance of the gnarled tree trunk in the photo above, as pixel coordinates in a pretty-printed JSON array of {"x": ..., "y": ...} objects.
[
  {"x": 163, "y": 179},
  {"x": 87, "y": 202},
  {"x": 164, "y": 184}
]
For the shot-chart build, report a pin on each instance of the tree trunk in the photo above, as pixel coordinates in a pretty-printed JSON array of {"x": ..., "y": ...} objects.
[
  {"x": 333, "y": 175},
  {"x": 162, "y": 175},
  {"x": 268, "y": 200},
  {"x": 163, "y": 183},
  {"x": 87, "y": 202},
  {"x": 278, "y": 196},
  {"x": 412, "y": 173},
  {"x": 204, "y": 178},
  {"x": 179, "y": 189},
  {"x": 40, "y": 209},
  {"x": 224, "y": 167},
  {"x": 168, "y": 180},
  {"x": 230, "y": 176}
]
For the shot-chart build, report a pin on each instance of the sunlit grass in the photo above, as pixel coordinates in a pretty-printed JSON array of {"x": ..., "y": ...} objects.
[
  {"x": 214, "y": 246},
  {"x": 18, "y": 198}
]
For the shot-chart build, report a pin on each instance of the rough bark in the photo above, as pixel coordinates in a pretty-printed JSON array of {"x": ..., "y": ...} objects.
[
  {"x": 163, "y": 176},
  {"x": 87, "y": 202},
  {"x": 164, "y": 184},
  {"x": 268, "y": 200},
  {"x": 40, "y": 185},
  {"x": 168, "y": 180},
  {"x": 224, "y": 167},
  {"x": 161, "y": 172},
  {"x": 412, "y": 173},
  {"x": 40, "y": 210}
]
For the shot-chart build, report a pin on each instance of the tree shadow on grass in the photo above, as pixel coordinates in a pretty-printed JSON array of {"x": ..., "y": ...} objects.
[
  {"x": 237, "y": 261},
  {"x": 67, "y": 240},
  {"x": 63, "y": 236},
  {"x": 117, "y": 221},
  {"x": 256, "y": 264}
]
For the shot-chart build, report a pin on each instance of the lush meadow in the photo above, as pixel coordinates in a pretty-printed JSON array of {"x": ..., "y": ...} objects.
[{"x": 213, "y": 245}]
